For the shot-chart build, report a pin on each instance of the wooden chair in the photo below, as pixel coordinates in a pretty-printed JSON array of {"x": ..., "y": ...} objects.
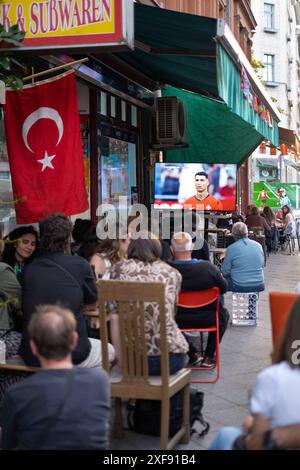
[
  {"x": 280, "y": 307},
  {"x": 17, "y": 368},
  {"x": 134, "y": 381}
]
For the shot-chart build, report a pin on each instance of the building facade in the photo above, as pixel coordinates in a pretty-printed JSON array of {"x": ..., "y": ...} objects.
[
  {"x": 237, "y": 14},
  {"x": 276, "y": 46}
]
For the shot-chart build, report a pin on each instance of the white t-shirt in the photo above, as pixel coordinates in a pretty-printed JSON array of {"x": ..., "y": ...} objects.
[{"x": 277, "y": 395}]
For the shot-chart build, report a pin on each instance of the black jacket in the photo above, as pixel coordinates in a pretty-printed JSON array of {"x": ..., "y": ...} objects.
[
  {"x": 196, "y": 277},
  {"x": 58, "y": 278}
]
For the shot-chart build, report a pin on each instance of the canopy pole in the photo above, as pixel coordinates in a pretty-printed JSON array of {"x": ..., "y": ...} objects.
[{"x": 54, "y": 69}]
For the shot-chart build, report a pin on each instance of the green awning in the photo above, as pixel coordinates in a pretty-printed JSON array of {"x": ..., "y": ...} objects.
[
  {"x": 175, "y": 48},
  {"x": 229, "y": 86},
  {"x": 185, "y": 51},
  {"x": 215, "y": 133}
]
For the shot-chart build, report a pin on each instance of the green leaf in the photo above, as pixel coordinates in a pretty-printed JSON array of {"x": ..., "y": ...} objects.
[
  {"x": 5, "y": 63},
  {"x": 16, "y": 62}
]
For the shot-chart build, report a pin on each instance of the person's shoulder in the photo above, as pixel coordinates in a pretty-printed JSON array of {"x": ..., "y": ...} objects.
[
  {"x": 93, "y": 374},
  {"x": 190, "y": 200},
  {"x": 168, "y": 269},
  {"x": 5, "y": 267},
  {"x": 275, "y": 373},
  {"x": 76, "y": 260},
  {"x": 255, "y": 244},
  {"x": 19, "y": 390}
]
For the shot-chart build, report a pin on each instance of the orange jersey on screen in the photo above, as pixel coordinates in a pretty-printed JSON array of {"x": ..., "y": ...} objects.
[{"x": 210, "y": 203}]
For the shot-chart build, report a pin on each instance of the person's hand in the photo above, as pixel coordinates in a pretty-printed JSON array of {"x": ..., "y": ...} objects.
[
  {"x": 248, "y": 423},
  {"x": 254, "y": 442}
]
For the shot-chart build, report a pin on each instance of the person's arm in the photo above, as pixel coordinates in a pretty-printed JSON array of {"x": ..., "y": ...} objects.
[
  {"x": 266, "y": 225},
  {"x": 11, "y": 286},
  {"x": 98, "y": 265},
  {"x": 89, "y": 286},
  {"x": 115, "y": 336},
  {"x": 220, "y": 281},
  {"x": 205, "y": 251},
  {"x": 9, "y": 431},
  {"x": 227, "y": 264},
  {"x": 287, "y": 437}
]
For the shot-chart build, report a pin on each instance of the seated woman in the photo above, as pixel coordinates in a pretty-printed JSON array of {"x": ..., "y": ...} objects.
[
  {"x": 288, "y": 222},
  {"x": 10, "y": 303},
  {"x": 144, "y": 264},
  {"x": 108, "y": 252},
  {"x": 256, "y": 220},
  {"x": 10, "y": 299},
  {"x": 243, "y": 265},
  {"x": 275, "y": 400},
  {"x": 20, "y": 247},
  {"x": 272, "y": 237}
]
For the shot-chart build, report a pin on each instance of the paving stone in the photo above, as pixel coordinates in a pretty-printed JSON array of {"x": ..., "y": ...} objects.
[{"x": 245, "y": 351}]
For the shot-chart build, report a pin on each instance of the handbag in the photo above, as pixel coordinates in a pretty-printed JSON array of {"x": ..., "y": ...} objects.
[{"x": 144, "y": 416}]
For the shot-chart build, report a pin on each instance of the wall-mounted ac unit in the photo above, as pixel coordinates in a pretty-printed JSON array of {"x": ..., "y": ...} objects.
[{"x": 169, "y": 123}]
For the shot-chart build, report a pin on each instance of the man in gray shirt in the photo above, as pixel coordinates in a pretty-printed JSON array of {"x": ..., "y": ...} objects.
[{"x": 60, "y": 406}]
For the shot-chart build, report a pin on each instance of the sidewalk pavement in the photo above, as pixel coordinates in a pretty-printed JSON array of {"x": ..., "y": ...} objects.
[{"x": 245, "y": 351}]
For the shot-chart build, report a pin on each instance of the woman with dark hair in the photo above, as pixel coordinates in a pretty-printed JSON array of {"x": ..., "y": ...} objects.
[
  {"x": 144, "y": 265},
  {"x": 288, "y": 222},
  {"x": 275, "y": 399},
  {"x": 83, "y": 230},
  {"x": 288, "y": 226},
  {"x": 20, "y": 247},
  {"x": 256, "y": 220},
  {"x": 109, "y": 251},
  {"x": 10, "y": 301},
  {"x": 272, "y": 237}
]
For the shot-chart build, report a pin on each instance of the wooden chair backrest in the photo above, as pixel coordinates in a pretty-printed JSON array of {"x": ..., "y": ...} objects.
[
  {"x": 130, "y": 298},
  {"x": 280, "y": 307}
]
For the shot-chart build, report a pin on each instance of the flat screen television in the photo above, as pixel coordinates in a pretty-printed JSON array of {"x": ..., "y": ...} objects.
[
  {"x": 276, "y": 195},
  {"x": 177, "y": 186}
]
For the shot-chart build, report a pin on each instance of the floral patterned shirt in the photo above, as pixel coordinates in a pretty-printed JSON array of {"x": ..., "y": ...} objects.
[{"x": 158, "y": 271}]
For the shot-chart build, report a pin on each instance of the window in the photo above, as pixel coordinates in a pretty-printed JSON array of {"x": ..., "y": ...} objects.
[
  {"x": 269, "y": 60},
  {"x": 269, "y": 16},
  {"x": 103, "y": 103}
]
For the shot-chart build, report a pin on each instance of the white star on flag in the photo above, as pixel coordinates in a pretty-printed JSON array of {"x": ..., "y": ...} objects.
[{"x": 46, "y": 161}]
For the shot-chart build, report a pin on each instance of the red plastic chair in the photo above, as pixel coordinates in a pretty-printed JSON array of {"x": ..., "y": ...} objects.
[
  {"x": 198, "y": 299},
  {"x": 280, "y": 307}
]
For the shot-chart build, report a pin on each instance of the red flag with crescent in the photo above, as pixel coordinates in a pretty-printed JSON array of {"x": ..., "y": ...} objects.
[{"x": 45, "y": 149}]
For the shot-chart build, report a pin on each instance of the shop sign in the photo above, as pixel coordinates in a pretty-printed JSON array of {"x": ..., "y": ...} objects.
[
  {"x": 57, "y": 24},
  {"x": 253, "y": 100}
]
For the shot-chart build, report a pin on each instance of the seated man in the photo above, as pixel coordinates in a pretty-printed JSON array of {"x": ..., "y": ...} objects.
[
  {"x": 243, "y": 266},
  {"x": 61, "y": 406},
  {"x": 198, "y": 275},
  {"x": 56, "y": 277}
]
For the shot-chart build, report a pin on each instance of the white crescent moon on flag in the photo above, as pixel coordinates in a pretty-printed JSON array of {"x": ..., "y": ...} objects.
[{"x": 42, "y": 113}]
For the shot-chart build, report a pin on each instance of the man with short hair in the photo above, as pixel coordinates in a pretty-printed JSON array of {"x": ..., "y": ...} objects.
[
  {"x": 243, "y": 266},
  {"x": 57, "y": 277},
  {"x": 198, "y": 275},
  {"x": 202, "y": 197},
  {"x": 61, "y": 406}
]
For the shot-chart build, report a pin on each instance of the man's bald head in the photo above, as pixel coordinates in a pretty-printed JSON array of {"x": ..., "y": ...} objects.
[
  {"x": 182, "y": 242},
  {"x": 52, "y": 330}
]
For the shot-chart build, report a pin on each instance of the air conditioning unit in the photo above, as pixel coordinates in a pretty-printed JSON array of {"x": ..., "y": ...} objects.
[{"x": 169, "y": 123}]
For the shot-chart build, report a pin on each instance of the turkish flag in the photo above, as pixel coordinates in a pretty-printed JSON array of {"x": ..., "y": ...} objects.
[{"x": 45, "y": 149}]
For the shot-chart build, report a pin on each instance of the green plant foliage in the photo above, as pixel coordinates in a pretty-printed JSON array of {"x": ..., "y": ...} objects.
[{"x": 11, "y": 38}]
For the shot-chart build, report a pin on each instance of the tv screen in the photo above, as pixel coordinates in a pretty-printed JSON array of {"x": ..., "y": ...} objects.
[
  {"x": 187, "y": 185},
  {"x": 276, "y": 195}
]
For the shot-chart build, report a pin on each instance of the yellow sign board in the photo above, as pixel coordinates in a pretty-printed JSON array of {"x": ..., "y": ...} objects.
[{"x": 65, "y": 23}]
